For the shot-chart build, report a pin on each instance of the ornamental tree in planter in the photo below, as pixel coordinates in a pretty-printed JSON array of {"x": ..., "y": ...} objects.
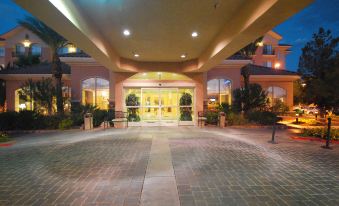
[
  {"x": 133, "y": 101},
  {"x": 186, "y": 111}
]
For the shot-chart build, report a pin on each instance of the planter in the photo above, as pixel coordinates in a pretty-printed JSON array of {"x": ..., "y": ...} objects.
[{"x": 313, "y": 139}]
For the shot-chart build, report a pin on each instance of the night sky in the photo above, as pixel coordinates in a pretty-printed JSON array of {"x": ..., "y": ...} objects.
[{"x": 296, "y": 31}]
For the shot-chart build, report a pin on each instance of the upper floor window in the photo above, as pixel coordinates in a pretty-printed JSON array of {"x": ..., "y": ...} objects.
[
  {"x": 268, "y": 64},
  {"x": 36, "y": 49},
  {"x": 2, "y": 51},
  {"x": 268, "y": 49},
  {"x": 19, "y": 49}
]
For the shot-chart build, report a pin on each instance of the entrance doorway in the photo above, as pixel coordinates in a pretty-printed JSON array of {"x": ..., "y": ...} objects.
[{"x": 159, "y": 106}]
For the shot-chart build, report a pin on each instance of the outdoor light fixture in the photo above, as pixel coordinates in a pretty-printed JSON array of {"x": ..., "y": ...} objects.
[
  {"x": 277, "y": 65},
  {"x": 260, "y": 44},
  {"x": 144, "y": 74},
  {"x": 26, "y": 42},
  {"x": 126, "y": 32},
  {"x": 136, "y": 55},
  {"x": 303, "y": 84},
  {"x": 72, "y": 49},
  {"x": 194, "y": 34},
  {"x": 297, "y": 118},
  {"x": 22, "y": 106},
  {"x": 183, "y": 56}
]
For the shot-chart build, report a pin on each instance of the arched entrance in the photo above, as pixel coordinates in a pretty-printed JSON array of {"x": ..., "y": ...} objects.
[{"x": 159, "y": 99}]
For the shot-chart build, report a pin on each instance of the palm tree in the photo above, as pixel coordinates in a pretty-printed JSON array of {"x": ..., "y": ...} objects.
[
  {"x": 55, "y": 41},
  {"x": 248, "y": 52}
]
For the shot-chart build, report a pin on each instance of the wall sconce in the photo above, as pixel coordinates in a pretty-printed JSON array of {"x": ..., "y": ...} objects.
[
  {"x": 277, "y": 65},
  {"x": 260, "y": 44},
  {"x": 72, "y": 49},
  {"x": 26, "y": 42}
]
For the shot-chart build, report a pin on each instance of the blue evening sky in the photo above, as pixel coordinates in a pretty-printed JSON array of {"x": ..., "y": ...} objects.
[{"x": 297, "y": 30}]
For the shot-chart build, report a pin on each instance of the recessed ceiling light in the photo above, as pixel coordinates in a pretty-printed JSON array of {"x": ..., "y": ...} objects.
[
  {"x": 183, "y": 56},
  {"x": 194, "y": 34},
  {"x": 136, "y": 55},
  {"x": 126, "y": 32},
  {"x": 144, "y": 74}
]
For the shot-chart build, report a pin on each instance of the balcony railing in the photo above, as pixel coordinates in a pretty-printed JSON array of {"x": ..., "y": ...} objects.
[{"x": 268, "y": 52}]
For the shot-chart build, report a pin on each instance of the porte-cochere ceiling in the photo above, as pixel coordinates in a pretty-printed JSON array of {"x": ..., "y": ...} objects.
[{"x": 137, "y": 35}]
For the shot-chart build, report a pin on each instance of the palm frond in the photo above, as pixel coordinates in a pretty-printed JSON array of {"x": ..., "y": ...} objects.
[{"x": 45, "y": 33}]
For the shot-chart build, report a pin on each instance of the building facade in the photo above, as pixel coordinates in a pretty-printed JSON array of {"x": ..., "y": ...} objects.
[{"x": 156, "y": 94}]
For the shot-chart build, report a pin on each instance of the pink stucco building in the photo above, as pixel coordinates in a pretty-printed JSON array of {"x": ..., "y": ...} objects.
[{"x": 158, "y": 87}]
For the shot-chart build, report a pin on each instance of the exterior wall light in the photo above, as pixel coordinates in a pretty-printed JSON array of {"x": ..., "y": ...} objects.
[
  {"x": 72, "y": 49},
  {"x": 22, "y": 106},
  {"x": 260, "y": 44},
  {"x": 277, "y": 65},
  {"x": 26, "y": 42}
]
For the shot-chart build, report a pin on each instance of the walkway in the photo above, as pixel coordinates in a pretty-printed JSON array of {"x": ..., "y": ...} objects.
[{"x": 168, "y": 166}]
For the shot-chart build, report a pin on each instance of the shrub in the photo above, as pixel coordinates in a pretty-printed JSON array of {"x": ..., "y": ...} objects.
[
  {"x": 4, "y": 137},
  {"x": 280, "y": 107},
  {"x": 235, "y": 119},
  {"x": 321, "y": 133},
  {"x": 99, "y": 116},
  {"x": 212, "y": 117},
  {"x": 65, "y": 124},
  {"x": 263, "y": 117},
  {"x": 254, "y": 99},
  {"x": 186, "y": 112},
  {"x": 8, "y": 121}
]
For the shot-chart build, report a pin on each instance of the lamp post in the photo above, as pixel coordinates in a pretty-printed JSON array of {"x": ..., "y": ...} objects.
[
  {"x": 328, "y": 137},
  {"x": 297, "y": 118}
]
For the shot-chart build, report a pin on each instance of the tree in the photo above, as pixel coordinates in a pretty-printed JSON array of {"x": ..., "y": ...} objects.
[
  {"x": 248, "y": 51},
  {"x": 55, "y": 42},
  {"x": 40, "y": 92},
  {"x": 257, "y": 99},
  {"x": 319, "y": 67}
]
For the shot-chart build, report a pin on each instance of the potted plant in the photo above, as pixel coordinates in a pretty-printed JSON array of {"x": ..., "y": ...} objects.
[
  {"x": 133, "y": 101},
  {"x": 186, "y": 107}
]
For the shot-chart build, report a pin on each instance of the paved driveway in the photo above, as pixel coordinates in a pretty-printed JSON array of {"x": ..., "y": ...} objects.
[{"x": 167, "y": 166}]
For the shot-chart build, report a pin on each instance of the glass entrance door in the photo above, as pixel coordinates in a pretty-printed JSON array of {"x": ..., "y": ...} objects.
[{"x": 159, "y": 106}]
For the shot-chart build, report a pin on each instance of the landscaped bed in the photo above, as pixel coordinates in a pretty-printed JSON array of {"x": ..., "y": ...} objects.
[
  {"x": 318, "y": 134},
  {"x": 5, "y": 140}
]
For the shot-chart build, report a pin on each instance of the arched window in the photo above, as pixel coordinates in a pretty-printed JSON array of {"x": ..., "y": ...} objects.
[
  {"x": 276, "y": 94},
  {"x": 21, "y": 102},
  {"x": 95, "y": 91},
  {"x": 219, "y": 91},
  {"x": 19, "y": 49},
  {"x": 35, "y": 49}
]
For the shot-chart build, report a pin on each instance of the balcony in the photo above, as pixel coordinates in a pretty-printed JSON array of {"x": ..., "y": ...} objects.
[{"x": 268, "y": 52}]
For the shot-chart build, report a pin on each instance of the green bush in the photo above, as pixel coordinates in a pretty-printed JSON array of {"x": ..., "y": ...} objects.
[
  {"x": 320, "y": 133},
  {"x": 186, "y": 112},
  {"x": 263, "y": 117},
  {"x": 8, "y": 121},
  {"x": 212, "y": 117},
  {"x": 99, "y": 116},
  {"x": 65, "y": 124},
  {"x": 280, "y": 107},
  {"x": 4, "y": 137},
  {"x": 235, "y": 119}
]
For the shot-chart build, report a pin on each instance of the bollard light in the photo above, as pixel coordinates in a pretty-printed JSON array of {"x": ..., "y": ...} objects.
[
  {"x": 316, "y": 115},
  {"x": 297, "y": 118}
]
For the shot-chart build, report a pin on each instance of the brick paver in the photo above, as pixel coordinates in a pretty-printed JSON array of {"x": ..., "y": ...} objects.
[
  {"x": 211, "y": 167},
  {"x": 217, "y": 169}
]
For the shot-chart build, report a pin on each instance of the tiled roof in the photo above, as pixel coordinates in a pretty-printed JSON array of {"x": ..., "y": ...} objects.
[
  {"x": 261, "y": 70},
  {"x": 43, "y": 68},
  {"x": 238, "y": 57},
  {"x": 79, "y": 54}
]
